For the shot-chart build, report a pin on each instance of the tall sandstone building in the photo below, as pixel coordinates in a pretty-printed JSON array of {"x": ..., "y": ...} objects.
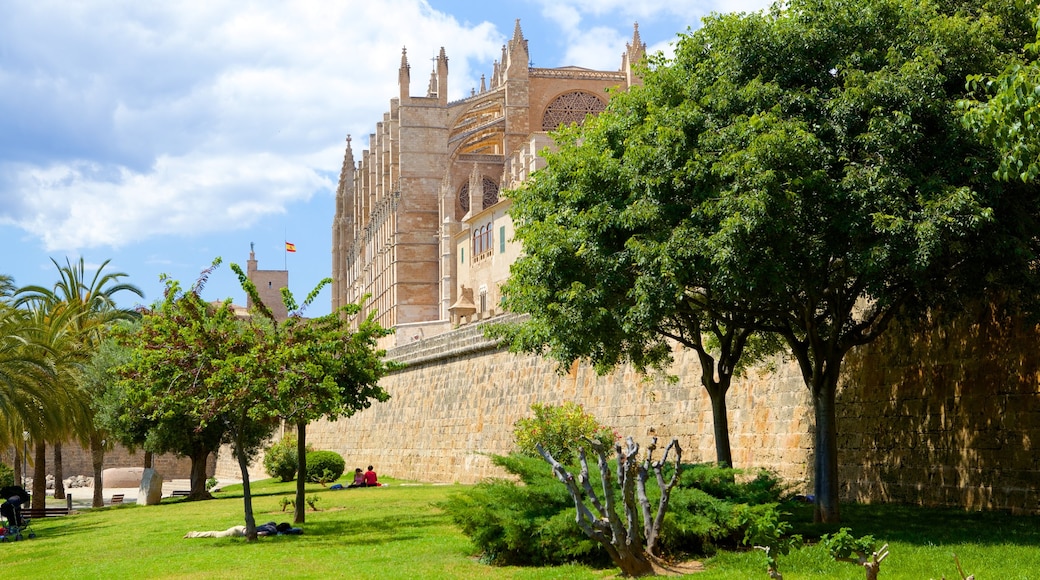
[{"x": 420, "y": 224}]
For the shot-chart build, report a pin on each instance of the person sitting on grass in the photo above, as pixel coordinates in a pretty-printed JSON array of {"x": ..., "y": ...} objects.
[
  {"x": 359, "y": 479},
  {"x": 370, "y": 478}
]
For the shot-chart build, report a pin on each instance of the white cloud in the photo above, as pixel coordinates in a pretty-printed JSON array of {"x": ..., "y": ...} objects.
[{"x": 130, "y": 120}]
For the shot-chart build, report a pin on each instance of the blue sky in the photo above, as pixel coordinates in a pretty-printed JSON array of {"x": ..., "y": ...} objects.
[{"x": 162, "y": 135}]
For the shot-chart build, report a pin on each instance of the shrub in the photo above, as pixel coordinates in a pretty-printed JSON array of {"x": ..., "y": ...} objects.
[
  {"x": 561, "y": 430},
  {"x": 6, "y": 475},
  {"x": 324, "y": 466},
  {"x": 716, "y": 507},
  {"x": 527, "y": 524},
  {"x": 280, "y": 459}
]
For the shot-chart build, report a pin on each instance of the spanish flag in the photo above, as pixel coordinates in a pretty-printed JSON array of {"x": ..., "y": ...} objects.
[{"x": 290, "y": 247}]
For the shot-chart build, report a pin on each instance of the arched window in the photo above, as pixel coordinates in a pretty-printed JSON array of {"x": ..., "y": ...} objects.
[
  {"x": 569, "y": 108},
  {"x": 464, "y": 197},
  {"x": 490, "y": 193}
]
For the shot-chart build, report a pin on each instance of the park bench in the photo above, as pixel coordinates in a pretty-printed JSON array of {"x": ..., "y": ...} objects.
[
  {"x": 180, "y": 493},
  {"x": 47, "y": 512},
  {"x": 116, "y": 498}
]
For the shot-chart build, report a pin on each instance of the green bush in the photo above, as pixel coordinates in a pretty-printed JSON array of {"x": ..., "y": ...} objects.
[
  {"x": 531, "y": 523},
  {"x": 561, "y": 429},
  {"x": 324, "y": 466},
  {"x": 281, "y": 460},
  {"x": 715, "y": 507},
  {"x": 6, "y": 475}
]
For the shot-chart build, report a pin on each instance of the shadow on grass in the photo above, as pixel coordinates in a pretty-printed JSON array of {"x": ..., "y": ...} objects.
[{"x": 924, "y": 526}]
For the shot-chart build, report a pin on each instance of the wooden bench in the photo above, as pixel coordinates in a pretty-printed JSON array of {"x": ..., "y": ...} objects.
[
  {"x": 116, "y": 498},
  {"x": 180, "y": 493},
  {"x": 47, "y": 512}
]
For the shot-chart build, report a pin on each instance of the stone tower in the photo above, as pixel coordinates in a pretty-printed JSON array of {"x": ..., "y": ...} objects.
[
  {"x": 269, "y": 284},
  {"x": 419, "y": 215}
]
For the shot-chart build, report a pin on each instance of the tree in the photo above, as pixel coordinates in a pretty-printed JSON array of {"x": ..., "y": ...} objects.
[
  {"x": 605, "y": 278},
  {"x": 170, "y": 397},
  {"x": 809, "y": 171},
  {"x": 631, "y": 542},
  {"x": 317, "y": 368},
  {"x": 80, "y": 312}
]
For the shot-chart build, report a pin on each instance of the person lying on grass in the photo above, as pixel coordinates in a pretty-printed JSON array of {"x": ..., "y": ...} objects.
[{"x": 268, "y": 529}]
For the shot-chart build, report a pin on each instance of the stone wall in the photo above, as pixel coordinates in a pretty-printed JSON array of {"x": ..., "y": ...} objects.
[
  {"x": 459, "y": 397},
  {"x": 946, "y": 413},
  {"x": 75, "y": 460},
  {"x": 943, "y": 414}
]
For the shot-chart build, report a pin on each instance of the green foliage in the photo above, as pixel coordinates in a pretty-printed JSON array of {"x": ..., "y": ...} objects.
[
  {"x": 324, "y": 466},
  {"x": 6, "y": 475},
  {"x": 286, "y": 502},
  {"x": 211, "y": 483},
  {"x": 532, "y": 522},
  {"x": 845, "y": 545},
  {"x": 561, "y": 430},
  {"x": 807, "y": 159},
  {"x": 714, "y": 507},
  {"x": 733, "y": 484},
  {"x": 312, "y": 501},
  {"x": 527, "y": 524},
  {"x": 280, "y": 459}
]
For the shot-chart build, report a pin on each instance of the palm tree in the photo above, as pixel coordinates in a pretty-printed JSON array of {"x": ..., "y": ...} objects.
[
  {"x": 24, "y": 366},
  {"x": 88, "y": 309}
]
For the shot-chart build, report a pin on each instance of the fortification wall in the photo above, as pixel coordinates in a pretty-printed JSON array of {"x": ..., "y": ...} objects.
[
  {"x": 459, "y": 397},
  {"x": 946, "y": 413},
  {"x": 941, "y": 414}
]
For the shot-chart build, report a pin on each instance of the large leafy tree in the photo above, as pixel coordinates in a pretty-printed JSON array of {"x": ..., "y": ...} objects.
[
  {"x": 176, "y": 394},
  {"x": 805, "y": 173},
  {"x": 325, "y": 367},
  {"x": 605, "y": 279}
]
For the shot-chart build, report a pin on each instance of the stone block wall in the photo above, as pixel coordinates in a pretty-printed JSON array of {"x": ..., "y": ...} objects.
[
  {"x": 75, "y": 460},
  {"x": 458, "y": 399},
  {"x": 941, "y": 414},
  {"x": 946, "y": 414}
]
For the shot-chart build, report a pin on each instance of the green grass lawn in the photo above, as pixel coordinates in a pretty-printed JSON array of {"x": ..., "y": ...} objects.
[{"x": 394, "y": 532}]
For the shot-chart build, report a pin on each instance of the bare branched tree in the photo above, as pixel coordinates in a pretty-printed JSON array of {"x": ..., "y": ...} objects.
[{"x": 630, "y": 541}]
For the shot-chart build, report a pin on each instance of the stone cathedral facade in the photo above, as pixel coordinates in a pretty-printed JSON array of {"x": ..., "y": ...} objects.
[{"x": 420, "y": 224}]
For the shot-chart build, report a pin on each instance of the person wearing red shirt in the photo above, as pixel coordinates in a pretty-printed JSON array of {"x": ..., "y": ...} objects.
[{"x": 370, "y": 478}]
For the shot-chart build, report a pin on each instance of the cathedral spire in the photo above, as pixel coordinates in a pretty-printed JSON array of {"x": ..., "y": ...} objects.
[
  {"x": 515, "y": 56},
  {"x": 635, "y": 52},
  {"x": 404, "y": 75},
  {"x": 442, "y": 77}
]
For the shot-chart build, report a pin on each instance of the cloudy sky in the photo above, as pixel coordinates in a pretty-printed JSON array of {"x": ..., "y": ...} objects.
[{"x": 160, "y": 135}]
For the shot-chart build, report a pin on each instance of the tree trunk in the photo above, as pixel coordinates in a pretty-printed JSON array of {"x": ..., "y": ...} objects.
[
  {"x": 247, "y": 497},
  {"x": 720, "y": 420},
  {"x": 19, "y": 476},
  {"x": 301, "y": 472},
  {"x": 59, "y": 473},
  {"x": 634, "y": 563},
  {"x": 39, "y": 486},
  {"x": 826, "y": 456},
  {"x": 97, "y": 462},
  {"x": 198, "y": 457},
  {"x": 149, "y": 458}
]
